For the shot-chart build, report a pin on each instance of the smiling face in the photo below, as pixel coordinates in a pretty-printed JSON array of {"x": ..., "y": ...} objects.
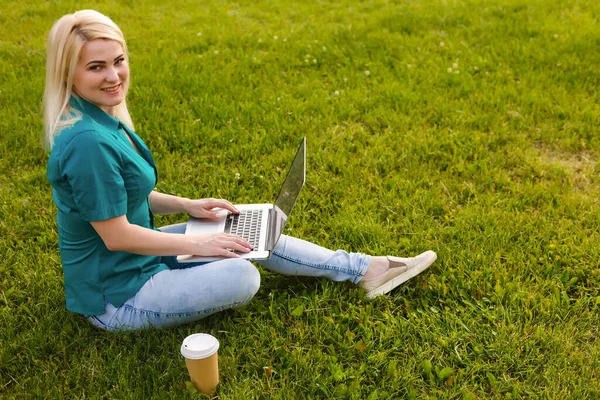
[{"x": 102, "y": 74}]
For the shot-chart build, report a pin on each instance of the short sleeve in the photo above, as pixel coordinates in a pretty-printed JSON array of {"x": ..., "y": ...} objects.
[{"x": 92, "y": 166}]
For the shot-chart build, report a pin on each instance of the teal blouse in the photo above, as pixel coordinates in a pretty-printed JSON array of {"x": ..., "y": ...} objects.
[{"x": 96, "y": 175}]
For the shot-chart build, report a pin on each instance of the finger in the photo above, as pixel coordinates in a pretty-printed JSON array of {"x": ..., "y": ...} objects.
[
  {"x": 228, "y": 254},
  {"x": 214, "y": 213},
  {"x": 221, "y": 203},
  {"x": 236, "y": 245},
  {"x": 240, "y": 247},
  {"x": 203, "y": 208},
  {"x": 239, "y": 240}
]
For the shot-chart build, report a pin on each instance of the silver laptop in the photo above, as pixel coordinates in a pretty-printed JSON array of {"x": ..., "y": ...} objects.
[{"x": 259, "y": 224}]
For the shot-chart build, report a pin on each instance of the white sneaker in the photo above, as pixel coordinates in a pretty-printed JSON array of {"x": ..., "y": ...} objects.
[{"x": 401, "y": 270}]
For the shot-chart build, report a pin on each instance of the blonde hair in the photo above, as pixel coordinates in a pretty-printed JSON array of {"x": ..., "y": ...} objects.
[{"x": 65, "y": 40}]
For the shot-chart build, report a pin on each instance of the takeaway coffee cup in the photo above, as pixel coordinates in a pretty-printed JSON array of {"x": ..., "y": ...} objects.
[{"x": 201, "y": 359}]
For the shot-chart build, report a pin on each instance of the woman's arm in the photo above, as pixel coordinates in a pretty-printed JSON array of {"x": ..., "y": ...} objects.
[
  {"x": 205, "y": 208},
  {"x": 119, "y": 235},
  {"x": 166, "y": 204}
]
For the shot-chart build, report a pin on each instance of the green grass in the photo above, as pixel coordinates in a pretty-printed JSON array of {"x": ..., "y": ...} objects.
[{"x": 474, "y": 133}]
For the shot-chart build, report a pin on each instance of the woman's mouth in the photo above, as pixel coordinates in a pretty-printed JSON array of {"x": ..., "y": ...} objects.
[{"x": 112, "y": 89}]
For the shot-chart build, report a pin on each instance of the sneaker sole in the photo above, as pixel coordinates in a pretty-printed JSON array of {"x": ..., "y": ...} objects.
[{"x": 400, "y": 279}]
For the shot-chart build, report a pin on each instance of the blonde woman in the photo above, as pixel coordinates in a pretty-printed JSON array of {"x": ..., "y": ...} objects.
[{"x": 119, "y": 271}]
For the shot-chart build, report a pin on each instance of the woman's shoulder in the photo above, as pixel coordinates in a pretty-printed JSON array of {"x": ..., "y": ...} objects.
[{"x": 84, "y": 132}]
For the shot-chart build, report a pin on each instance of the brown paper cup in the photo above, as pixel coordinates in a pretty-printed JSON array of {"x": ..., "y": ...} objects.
[{"x": 202, "y": 361}]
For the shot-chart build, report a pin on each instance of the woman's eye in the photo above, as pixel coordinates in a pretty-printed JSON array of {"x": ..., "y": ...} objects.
[
  {"x": 119, "y": 61},
  {"x": 95, "y": 68}
]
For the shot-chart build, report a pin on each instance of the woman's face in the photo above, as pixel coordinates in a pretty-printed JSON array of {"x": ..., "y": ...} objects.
[{"x": 102, "y": 74}]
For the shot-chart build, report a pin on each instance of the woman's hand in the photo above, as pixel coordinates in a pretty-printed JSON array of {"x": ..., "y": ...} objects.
[
  {"x": 219, "y": 244},
  {"x": 206, "y": 208},
  {"x": 209, "y": 208}
]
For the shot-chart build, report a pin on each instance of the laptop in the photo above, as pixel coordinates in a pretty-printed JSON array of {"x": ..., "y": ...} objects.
[{"x": 259, "y": 224}]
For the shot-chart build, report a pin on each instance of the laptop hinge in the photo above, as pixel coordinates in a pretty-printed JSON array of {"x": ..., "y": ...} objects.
[{"x": 277, "y": 221}]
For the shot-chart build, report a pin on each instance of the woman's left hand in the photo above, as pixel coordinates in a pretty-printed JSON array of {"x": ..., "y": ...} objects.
[{"x": 210, "y": 208}]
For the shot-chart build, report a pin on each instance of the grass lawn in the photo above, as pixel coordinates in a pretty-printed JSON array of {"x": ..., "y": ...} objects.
[{"x": 466, "y": 127}]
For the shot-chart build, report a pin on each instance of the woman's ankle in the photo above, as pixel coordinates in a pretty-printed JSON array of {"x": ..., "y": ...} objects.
[{"x": 378, "y": 266}]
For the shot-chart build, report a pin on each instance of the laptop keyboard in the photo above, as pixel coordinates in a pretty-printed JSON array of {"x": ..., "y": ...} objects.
[{"x": 245, "y": 224}]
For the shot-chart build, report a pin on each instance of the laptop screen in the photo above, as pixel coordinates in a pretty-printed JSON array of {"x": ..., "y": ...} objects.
[{"x": 290, "y": 190}]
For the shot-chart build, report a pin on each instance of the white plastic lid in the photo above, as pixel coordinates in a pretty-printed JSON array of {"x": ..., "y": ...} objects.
[{"x": 199, "y": 345}]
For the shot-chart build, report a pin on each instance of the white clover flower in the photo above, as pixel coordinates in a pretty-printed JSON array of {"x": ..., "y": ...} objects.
[
  {"x": 314, "y": 61},
  {"x": 367, "y": 73},
  {"x": 455, "y": 65},
  {"x": 345, "y": 80},
  {"x": 324, "y": 48},
  {"x": 555, "y": 36},
  {"x": 307, "y": 56},
  {"x": 216, "y": 51},
  {"x": 305, "y": 61},
  {"x": 259, "y": 40},
  {"x": 441, "y": 44},
  {"x": 457, "y": 72},
  {"x": 199, "y": 34},
  {"x": 275, "y": 37},
  {"x": 285, "y": 40},
  {"x": 449, "y": 70},
  {"x": 336, "y": 93},
  {"x": 476, "y": 68},
  {"x": 237, "y": 175},
  {"x": 408, "y": 65}
]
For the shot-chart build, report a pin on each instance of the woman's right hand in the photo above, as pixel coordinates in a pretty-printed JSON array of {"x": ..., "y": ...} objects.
[{"x": 219, "y": 244}]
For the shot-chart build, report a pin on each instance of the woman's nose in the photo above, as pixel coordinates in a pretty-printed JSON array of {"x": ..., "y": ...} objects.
[{"x": 112, "y": 75}]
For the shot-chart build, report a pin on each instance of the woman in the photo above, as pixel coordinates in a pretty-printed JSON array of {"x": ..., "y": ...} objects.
[{"x": 119, "y": 271}]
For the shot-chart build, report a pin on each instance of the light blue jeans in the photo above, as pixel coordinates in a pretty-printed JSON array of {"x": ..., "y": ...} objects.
[{"x": 195, "y": 291}]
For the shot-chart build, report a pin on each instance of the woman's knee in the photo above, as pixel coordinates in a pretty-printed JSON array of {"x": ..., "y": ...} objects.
[{"x": 247, "y": 278}]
